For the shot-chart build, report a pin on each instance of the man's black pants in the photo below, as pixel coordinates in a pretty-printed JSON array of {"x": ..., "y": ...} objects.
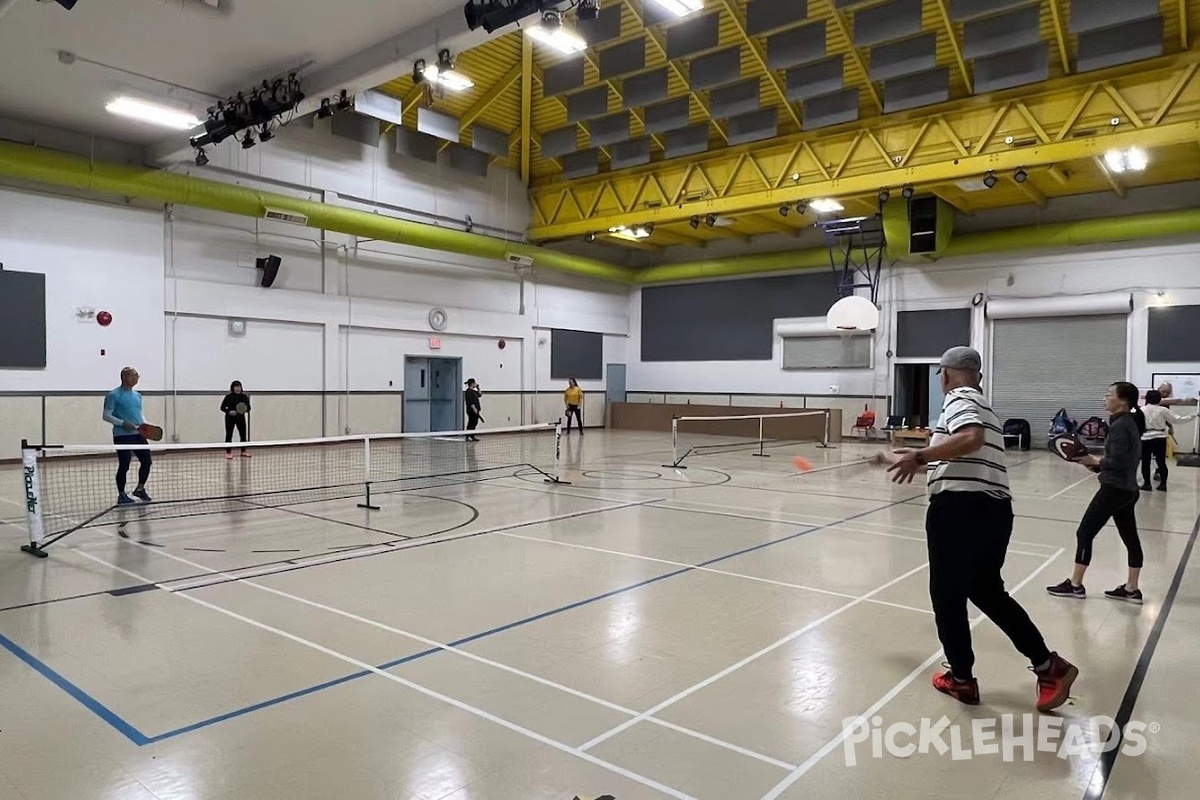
[
  {"x": 967, "y": 535},
  {"x": 124, "y": 457}
]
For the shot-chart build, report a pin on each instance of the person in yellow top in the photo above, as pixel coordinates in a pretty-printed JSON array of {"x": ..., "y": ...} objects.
[{"x": 574, "y": 399}]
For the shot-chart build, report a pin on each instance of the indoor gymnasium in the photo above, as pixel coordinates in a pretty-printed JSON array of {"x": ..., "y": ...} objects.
[{"x": 622, "y": 399}]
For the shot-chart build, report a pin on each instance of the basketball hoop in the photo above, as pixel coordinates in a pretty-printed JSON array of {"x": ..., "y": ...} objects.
[{"x": 852, "y": 313}]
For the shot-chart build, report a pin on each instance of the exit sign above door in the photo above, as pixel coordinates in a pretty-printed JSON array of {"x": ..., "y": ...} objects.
[{"x": 435, "y": 343}]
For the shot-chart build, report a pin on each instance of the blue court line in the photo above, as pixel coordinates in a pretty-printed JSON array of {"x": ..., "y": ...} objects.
[{"x": 141, "y": 739}]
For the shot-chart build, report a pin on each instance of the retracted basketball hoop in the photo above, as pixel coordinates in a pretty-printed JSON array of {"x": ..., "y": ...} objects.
[{"x": 852, "y": 313}]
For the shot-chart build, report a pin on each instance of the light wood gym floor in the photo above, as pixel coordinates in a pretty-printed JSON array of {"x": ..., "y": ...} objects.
[{"x": 643, "y": 632}]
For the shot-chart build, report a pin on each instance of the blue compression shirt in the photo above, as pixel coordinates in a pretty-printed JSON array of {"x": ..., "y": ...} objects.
[{"x": 125, "y": 405}]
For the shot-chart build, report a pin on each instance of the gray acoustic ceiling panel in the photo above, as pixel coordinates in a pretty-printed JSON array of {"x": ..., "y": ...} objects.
[
  {"x": 668, "y": 116},
  {"x": 905, "y": 57},
  {"x": 814, "y": 80},
  {"x": 588, "y": 104},
  {"x": 693, "y": 36},
  {"x": 581, "y": 164},
  {"x": 469, "y": 160},
  {"x": 604, "y": 28},
  {"x": 633, "y": 153},
  {"x": 799, "y": 46},
  {"x": 764, "y": 16},
  {"x": 1008, "y": 70},
  {"x": 414, "y": 144},
  {"x": 737, "y": 98},
  {"x": 560, "y": 142},
  {"x": 622, "y": 59},
  {"x": 686, "y": 141},
  {"x": 1124, "y": 44},
  {"x": 1094, "y": 15},
  {"x": 754, "y": 126},
  {"x": 489, "y": 141},
  {"x": 834, "y": 108},
  {"x": 435, "y": 123},
  {"x": 962, "y": 10},
  {"x": 563, "y": 77},
  {"x": 715, "y": 69},
  {"x": 915, "y": 91},
  {"x": 887, "y": 22},
  {"x": 606, "y": 130},
  {"x": 362, "y": 129},
  {"x": 1002, "y": 33},
  {"x": 655, "y": 14},
  {"x": 644, "y": 89}
]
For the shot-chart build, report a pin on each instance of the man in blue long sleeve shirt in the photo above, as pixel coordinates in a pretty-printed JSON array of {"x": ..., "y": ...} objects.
[{"x": 123, "y": 410}]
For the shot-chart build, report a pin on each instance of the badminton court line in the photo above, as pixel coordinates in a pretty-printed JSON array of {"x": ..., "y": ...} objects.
[
  {"x": 450, "y": 648},
  {"x": 833, "y": 743},
  {"x": 670, "y": 701},
  {"x": 701, "y": 568},
  {"x": 467, "y": 707},
  {"x": 1061, "y": 492}
]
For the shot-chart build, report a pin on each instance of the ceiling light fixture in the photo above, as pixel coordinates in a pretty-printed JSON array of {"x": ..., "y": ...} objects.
[
  {"x": 153, "y": 113},
  {"x": 694, "y": 222},
  {"x": 681, "y": 8},
  {"x": 442, "y": 73},
  {"x": 908, "y": 192},
  {"x": 1020, "y": 176},
  {"x": 825, "y": 205},
  {"x": 784, "y": 210},
  {"x": 634, "y": 234},
  {"x": 884, "y": 195},
  {"x": 553, "y": 33},
  {"x": 1132, "y": 160},
  {"x": 588, "y": 9},
  {"x": 989, "y": 180},
  {"x": 710, "y": 220},
  {"x": 201, "y": 157}
]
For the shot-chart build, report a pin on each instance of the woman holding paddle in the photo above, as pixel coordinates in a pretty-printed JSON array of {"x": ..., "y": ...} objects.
[{"x": 236, "y": 406}]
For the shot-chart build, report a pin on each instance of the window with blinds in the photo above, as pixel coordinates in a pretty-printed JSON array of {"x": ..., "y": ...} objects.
[
  {"x": 827, "y": 352},
  {"x": 1042, "y": 364}
]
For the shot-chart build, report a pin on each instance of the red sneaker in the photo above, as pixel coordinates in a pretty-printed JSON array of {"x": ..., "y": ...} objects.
[
  {"x": 1054, "y": 684},
  {"x": 967, "y": 692}
]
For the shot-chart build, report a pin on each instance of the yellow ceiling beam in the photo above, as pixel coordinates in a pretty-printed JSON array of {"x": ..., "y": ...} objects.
[
  {"x": 1117, "y": 187},
  {"x": 1183, "y": 24},
  {"x": 955, "y": 47},
  {"x": 490, "y": 95},
  {"x": 1060, "y": 35},
  {"x": 839, "y": 22},
  {"x": 1030, "y": 191},
  {"x": 526, "y": 130},
  {"x": 757, "y": 53}
]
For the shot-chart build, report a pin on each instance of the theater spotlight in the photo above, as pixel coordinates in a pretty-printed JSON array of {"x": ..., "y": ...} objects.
[
  {"x": 884, "y": 195},
  {"x": 1020, "y": 176},
  {"x": 201, "y": 158},
  {"x": 908, "y": 192},
  {"x": 784, "y": 210},
  {"x": 588, "y": 9},
  {"x": 694, "y": 222},
  {"x": 989, "y": 180}
]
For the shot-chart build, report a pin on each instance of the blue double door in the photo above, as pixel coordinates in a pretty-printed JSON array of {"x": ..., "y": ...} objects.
[{"x": 433, "y": 394}]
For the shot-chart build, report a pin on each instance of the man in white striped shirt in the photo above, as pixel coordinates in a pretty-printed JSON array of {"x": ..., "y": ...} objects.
[{"x": 967, "y": 528}]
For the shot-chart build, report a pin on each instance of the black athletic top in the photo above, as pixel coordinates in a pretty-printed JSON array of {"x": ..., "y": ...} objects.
[
  {"x": 231, "y": 401},
  {"x": 472, "y": 400},
  {"x": 1122, "y": 453}
]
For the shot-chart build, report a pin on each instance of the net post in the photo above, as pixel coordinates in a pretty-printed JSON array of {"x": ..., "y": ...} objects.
[
  {"x": 367, "y": 476},
  {"x": 761, "y": 440},
  {"x": 33, "y": 501},
  {"x": 825, "y": 443},
  {"x": 675, "y": 459},
  {"x": 557, "y": 476}
]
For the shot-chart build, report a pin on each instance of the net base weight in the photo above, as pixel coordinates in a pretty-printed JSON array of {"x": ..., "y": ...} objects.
[{"x": 34, "y": 550}]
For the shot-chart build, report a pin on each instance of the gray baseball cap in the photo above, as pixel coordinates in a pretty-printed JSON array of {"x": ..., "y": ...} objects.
[{"x": 964, "y": 358}]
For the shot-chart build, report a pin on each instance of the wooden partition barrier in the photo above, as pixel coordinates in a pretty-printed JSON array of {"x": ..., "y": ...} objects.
[{"x": 658, "y": 416}]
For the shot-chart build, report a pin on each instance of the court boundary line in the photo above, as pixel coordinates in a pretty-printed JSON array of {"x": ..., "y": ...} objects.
[
  {"x": 460, "y": 705},
  {"x": 1102, "y": 772},
  {"x": 891, "y": 694}
]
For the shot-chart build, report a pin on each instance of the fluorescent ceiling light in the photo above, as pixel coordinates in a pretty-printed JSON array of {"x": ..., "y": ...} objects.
[
  {"x": 1132, "y": 160},
  {"x": 633, "y": 234},
  {"x": 560, "y": 38},
  {"x": 451, "y": 78},
  {"x": 826, "y": 206},
  {"x": 681, "y": 8},
  {"x": 153, "y": 113}
]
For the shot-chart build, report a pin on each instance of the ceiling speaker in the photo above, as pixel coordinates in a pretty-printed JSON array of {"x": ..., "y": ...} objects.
[{"x": 270, "y": 269}]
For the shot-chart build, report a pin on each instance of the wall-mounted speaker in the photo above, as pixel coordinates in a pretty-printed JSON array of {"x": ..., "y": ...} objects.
[
  {"x": 923, "y": 224},
  {"x": 270, "y": 269}
]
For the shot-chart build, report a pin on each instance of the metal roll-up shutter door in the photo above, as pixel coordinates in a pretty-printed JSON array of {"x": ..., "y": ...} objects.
[
  {"x": 827, "y": 352},
  {"x": 1042, "y": 364}
]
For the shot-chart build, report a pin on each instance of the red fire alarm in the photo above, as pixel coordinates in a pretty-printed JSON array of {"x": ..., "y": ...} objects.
[
  {"x": 104, "y": 318},
  {"x": 501, "y": 344}
]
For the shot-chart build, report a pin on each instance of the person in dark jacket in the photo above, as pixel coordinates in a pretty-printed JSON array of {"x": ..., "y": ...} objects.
[
  {"x": 235, "y": 407},
  {"x": 474, "y": 409},
  {"x": 1116, "y": 498}
]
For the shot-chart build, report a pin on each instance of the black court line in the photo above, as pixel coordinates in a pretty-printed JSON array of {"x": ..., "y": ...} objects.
[
  {"x": 1103, "y": 771},
  {"x": 323, "y": 519},
  {"x": 128, "y": 590}
]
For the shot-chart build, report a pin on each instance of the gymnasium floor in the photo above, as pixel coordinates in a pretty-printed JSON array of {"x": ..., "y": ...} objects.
[{"x": 643, "y": 633}]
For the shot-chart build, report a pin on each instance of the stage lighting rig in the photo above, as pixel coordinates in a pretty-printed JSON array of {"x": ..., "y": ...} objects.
[{"x": 263, "y": 107}]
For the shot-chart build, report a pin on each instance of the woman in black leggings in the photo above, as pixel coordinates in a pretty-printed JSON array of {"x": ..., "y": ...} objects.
[
  {"x": 236, "y": 406},
  {"x": 1117, "y": 496}
]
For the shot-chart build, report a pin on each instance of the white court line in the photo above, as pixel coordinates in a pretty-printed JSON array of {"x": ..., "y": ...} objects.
[
  {"x": 250, "y": 572},
  {"x": 465, "y": 654},
  {"x": 748, "y": 659},
  {"x": 1060, "y": 493},
  {"x": 713, "y": 571},
  {"x": 833, "y": 743},
  {"x": 470, "y": 709}
]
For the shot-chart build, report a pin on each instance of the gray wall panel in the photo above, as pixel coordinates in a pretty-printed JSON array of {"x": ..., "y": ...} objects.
[
  {"x": 799, "y": 46},
  {"x": 581, "y": 164},
  {"x": 764, "y": 16},
  {"x": 22, "y": 320},
  {"x": 563, "y": 77},
  {"x": 966, "y": 9},
  {"x": 633, "y": 153},
  {"x": 928, "y": 334},
  {"x": 1165, "y": 342},
  {"x": 1094, "y": 15},
  {"x": 905, "y": 57},
  {"x": 588, "y": 104},
  {"x": 686, "y": 141},
  {"x": 914, "y": 91},
  {"x": 623, "y": 59},
  {"x": 576, "y": 354},
  {"x": 560, "y": 141},
  {"x": 606, "y": 130},
  {"x": 813, "y": 80},
  {"x": 728, "y": 320},
  {"x": 835, "y": 108},
  {"x": 644, "y": 89},
  {"x": 754, "y": 126},
  {"x": 692, "y": 36},
  {"x": 1018, "y": 68},
  {"x": 1110, "y": 47},
  {"x": 489, "y": 141},
  {"x": 668, "y": 116},
  {"x": 1002, "y": 33},
  {"x": 738, "y": 98},
  {"x": 716, "y": 69},
  {"x": 887, "y": 22}
]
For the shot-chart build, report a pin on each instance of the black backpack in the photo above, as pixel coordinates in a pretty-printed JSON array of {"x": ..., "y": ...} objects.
[{"x": 1019, "y": 428}]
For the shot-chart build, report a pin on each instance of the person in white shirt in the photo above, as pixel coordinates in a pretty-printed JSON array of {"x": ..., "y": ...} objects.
[{"x": 1159, "y": 426}]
